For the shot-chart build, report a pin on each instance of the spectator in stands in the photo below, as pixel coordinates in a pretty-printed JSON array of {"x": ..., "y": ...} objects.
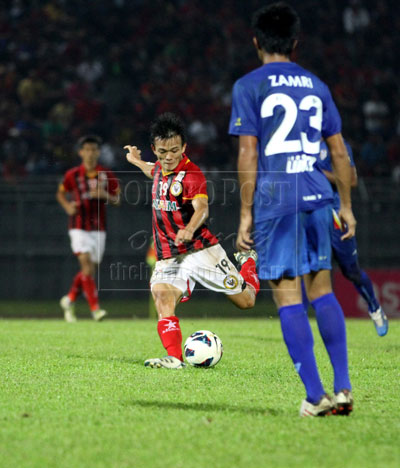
[
  {"x": 93, "y": 60},
  {"x": 355, "y": 17},
  {"x": 374, "y": 155},
  {"x": 376, "y": 113}
]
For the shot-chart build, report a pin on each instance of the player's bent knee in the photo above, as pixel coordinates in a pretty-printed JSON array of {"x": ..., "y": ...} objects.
[
  {"x": 352, "y": 273},
  {"x": 244, "y": 300},
  {"x": 165, "y": 301}
]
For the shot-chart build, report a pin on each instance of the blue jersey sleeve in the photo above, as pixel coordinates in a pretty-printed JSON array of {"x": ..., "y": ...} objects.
[
  {"x": 324, "y": 160},
  {"x": 331, "y": 121},
  {"x": 244, "y": 115}
]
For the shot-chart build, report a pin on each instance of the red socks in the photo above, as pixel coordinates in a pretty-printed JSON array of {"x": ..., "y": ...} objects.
[
  {"x": 76, "y": 287},
  {"x": 171, "y": 336},
  {"x": 249, "y": 273},
  {"x": 90, "y": 291}
]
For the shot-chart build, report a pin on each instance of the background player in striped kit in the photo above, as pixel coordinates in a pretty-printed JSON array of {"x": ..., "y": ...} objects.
[
  {"x": 90, "y": 186},
  {"x": 186, "y": 249}
]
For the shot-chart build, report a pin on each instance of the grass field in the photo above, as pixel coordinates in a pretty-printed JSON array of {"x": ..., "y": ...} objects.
[{"x": 79, "y": 396}]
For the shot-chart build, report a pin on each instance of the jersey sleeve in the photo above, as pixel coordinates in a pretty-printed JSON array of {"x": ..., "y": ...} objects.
[
  {"x": 324, "y": 160},
  {"x": 194, "y": 186},
  {"x": 331, "y": 121},
  {"x": 113, "y": 187},
  {"x": 66, "y": 183},
  {"x": 243, "y": 116},
  {"x": 154, "y": 168}
]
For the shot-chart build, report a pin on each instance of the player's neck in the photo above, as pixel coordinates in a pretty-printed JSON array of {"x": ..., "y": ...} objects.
[
  {"x": 265, "y": 57},
  {"x": 89, "y": 168}
]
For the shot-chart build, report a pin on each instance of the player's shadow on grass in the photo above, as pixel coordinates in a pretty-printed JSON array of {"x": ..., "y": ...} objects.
[
  {"x": 257, "y": 338},
  {"x": 121, "y": 359},
  {"x": 225, "y": 408}
]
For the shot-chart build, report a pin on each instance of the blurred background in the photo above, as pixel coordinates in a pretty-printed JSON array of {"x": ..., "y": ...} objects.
[{"x": 71, "y": 67}]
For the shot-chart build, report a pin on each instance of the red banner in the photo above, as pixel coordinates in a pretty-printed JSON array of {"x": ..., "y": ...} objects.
[{"x": 387, "y": 289}]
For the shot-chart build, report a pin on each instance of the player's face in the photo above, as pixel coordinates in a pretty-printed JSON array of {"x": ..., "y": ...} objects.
[
  {"x": 169, "y": 152},
  {"x": 90, "y": 153}
]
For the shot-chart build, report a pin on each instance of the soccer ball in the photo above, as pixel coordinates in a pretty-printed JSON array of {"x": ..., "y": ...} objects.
[{"x": 203, "y": 349}]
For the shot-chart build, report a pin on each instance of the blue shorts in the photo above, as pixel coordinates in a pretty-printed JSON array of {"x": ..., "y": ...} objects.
[
  {"x": 294, "y": 245},
  {"x": 344, "y": 252}
]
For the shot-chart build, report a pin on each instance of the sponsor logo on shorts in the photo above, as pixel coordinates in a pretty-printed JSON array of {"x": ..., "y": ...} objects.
[{"x": 230, "y": 282}]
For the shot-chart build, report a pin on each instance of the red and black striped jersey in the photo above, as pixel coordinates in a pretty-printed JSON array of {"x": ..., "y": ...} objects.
[
  {"x": 172, "y": 196},
  {"x": 91, "y": 212}
]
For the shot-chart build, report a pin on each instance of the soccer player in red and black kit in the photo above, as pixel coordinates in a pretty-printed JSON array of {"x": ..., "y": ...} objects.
[
  {"x": 186, "y": 250},
  {"x": 89, "y": 186}
]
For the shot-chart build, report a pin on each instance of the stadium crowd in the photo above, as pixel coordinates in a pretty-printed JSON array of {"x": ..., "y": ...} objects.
[{"x": 69, "y": 67}]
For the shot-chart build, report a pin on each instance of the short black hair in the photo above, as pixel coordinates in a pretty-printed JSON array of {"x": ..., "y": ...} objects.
[
  {"x": 276, "y": 28},
  {"x": 89, "y": 139},
  {"x": 167, "y": 126}
]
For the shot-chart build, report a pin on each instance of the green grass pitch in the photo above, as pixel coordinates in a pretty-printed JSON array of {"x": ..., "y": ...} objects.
[{"x": 78, "y": 395}]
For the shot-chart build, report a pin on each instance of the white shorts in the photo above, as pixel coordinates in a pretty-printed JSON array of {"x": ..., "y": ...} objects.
[
  {"x": 211, "y": 267},
  {"x": 92, "y": 242}
]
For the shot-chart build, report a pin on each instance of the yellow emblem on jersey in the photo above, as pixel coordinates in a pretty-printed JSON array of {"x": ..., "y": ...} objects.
[
  {"x": 230, "y": 282},
  {"x": 176, "y": 188},
  {"x": 238, "y": 122}
]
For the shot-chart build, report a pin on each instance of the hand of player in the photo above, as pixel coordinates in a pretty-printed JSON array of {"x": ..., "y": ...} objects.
[
  {"x": 183, "y": 235},
  {"x": 71, "y": 208},
  {"x": 133, "y": 155},
  {"x": 348, "y": 220},
  {"x": 99, "y": 193},
  {"x": 244, "y": 241}
]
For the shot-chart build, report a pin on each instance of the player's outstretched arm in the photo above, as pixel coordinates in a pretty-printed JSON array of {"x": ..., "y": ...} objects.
[
  {"x": 133, "y": 156},
  {"x": 342, "y": 173},
  {"x": 247, "y": 169},
  {"x": 200, "y": 206}
]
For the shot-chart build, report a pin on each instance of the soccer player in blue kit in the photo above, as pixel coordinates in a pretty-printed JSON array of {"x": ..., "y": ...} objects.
[
  {"x": 280, "y": 111},
  {"x": 345, "y": 252}
]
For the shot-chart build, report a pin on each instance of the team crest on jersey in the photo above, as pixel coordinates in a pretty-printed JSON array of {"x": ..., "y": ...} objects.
[
  {"x": 230, "y": 282},
  {"x": 176, "y": 188}
]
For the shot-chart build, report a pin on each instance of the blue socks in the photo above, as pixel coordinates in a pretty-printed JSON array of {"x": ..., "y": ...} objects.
[
  {"x": 365, "y": 288},
  {"x": 361, "y": 281},
  {"x": 331, "y": 326},
  {"x": 299, "y": 341}
]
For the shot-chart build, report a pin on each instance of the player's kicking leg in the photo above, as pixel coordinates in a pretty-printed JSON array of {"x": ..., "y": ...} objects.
[
  {"x": 247, "y": 262},
  {"x": 166, "y": 297}
]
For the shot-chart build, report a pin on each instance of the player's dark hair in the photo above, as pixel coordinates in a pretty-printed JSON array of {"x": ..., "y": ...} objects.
[
  {"x": 89, "y": 139},
  {"x": 276, "y": 28},
  {"x": 167, "y": 126}
]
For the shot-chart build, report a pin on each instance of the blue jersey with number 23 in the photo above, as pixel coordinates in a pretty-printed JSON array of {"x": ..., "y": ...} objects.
[{"x": 288, "y": 109}]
